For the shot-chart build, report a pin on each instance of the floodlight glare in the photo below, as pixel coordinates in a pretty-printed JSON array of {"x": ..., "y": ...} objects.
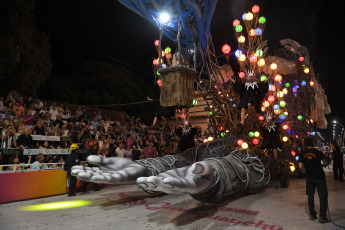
[{"x": 164, "y": 17}]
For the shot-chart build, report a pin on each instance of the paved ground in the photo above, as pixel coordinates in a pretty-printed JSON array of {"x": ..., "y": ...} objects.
[{"x": 127, "y": 207}]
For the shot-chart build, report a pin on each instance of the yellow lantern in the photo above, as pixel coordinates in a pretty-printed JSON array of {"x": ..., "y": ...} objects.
[
  {"x": 261, "y": 62},
  {"x": 266, "y": 104},
  {"x": 251, "y": 32},
  {"x": 286, "y": 113},
  {"x": 285, "y": 139},
  {"x": 292, "y": 167},
  {"x": 242, "y": 57},
  {"x": 280, "y": 94},
  {"x": 263, "y": 109},
  {"x": 249, "y": 16},
  {"x": 210, "y": 139},
  {"x": 285, "y": 91},
  {"x": 256, "y": 134},
  {"x": 241, "y": 39},
  {"x": 244, "y": 145},
  {"x": 274, "y": 66},
  {"x": 306, "y": 70}
]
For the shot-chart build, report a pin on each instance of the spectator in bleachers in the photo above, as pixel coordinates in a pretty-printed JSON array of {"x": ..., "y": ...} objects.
[
  {"x": 58, "y": 120},
  {"x": 136, "y": 153},
  {"x": 65, "y": 130},
  {"x": 43, "y": 111},
  {"x": 39, "y": 128},
  {"x": 78, "y": 140},
  {"x": 38, "y": 104},
  {"x": 20, "y": 126},
  {"x": 53, "y": 113},
  {"x": 78, "y": 113},
  {"x": 37, "y": 164},
  {"x": 67, "y": 112},
  {"x": 149, "y": 151},
  {"x": 56, "y": 130},
  {"x": 21, "y": 101},
  {"x": 73, "y": 129},
  {"x": 94, "y": 123},
  {"x": 1, "y": 104},
  {"x": 25, "y": 139},
  {"x": 8, "y": 139},
  {"x": 29, "y": 116},
  {"x": 87, "y": 131},
  {"x": 46, "y": 145},
  {"x": 14, "y": 161},
  {"x": 99, "y": 115},
  {"x": 128, "y": 153},
  {"x": 28, "y": 102},
  {"x": 120, "y": 151},
  {"x": 61, "y": 110}
]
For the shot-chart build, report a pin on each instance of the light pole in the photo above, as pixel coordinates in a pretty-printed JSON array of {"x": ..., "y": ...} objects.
[{"x": 339, "y": 129}]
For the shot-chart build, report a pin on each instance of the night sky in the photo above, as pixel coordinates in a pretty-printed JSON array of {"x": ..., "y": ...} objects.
[{"x": 105, "y": 30}]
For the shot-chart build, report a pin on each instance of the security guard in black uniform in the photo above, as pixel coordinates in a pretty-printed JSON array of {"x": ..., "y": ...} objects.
[
  {"x": 93, "y": 151},
  {"x": 315, "y": 178},
  {"x": 72, "y": 160},
  {"x": 338, "y": 161}
]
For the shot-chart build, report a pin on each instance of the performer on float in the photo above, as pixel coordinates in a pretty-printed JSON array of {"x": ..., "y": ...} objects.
[
  {"x": 186, "y": 134},
  {"x": 270, "y": 135},
  {"x": 251, "y": 93}
]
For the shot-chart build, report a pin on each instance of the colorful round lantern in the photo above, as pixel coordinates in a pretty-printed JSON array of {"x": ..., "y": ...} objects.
[
  {"x": 282, "y": 104},
  {"x": 266, "y": 104},
  {"x": 155, "y": 62},
  {"x": 236, "y": 22},
  {"x": 285, "y": 127},
  {"x": 293, "y": 153},
  {"x": 278, "y": 77},
  {"x": 258, "y": 31},
  {"x": 238, "y": 28},
  {"x": 261, "y": 62},
  {"x": 249, "y": 16},
  {"x": 262, "y": 20},
  {"x": 303, "y": 83},
  {"x": 299, "y": 117},
  {"x": 282, "y": 116},
  {"x": 306, "y": 70},
  {"x": 263, "y": 78},
  {"x": 244, "y": 145},
  {"x": 255, "y": 8},
  {"x": 276, "y": 107},
  {"x": 167, "y": 50},
  {"x": 280, "y": 94},
  {"x": 274, "y": 66},
  {"x": 261, "y": 118},
  {"x": 271, "y": 98},
  {"x": 238, "y": 53},
  {"x": 183, "y": 116},
  {"x": 244, "y": 16},
  {"x": 285, "y": 91},
  {"x": 272, "y": 88},
  {"x": 159, "y": 82},
  {"x": 285, "y": 139},
  {"x": 195, "y": 102},
  {"x": 311, "y": 83},
  {"x": 255, "y": 141},
  {"x": 242, "y": 57},
  {"x": 226, "y": 49},
  {"x": 241, "y": 39},
  {"x": 287, "y": 85},
  {"x": 251, "y": 32},
  {"x": 301, "y": 59},
  {"x": 259, "y": 52},
  {"x": 251, "y": 134},
  {"x": 211, "y": 113},
  {"x": 157, "y": 43},
  {"x": 239, "y": 142},
  {"x": 256, "y": 134},
  {"x": 210, "y": 139},
  {"x": 253, "y": 58},
  {"x": 241, "y": 74}
]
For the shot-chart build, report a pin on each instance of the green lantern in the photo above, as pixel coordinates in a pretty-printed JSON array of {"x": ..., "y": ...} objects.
[
  {"x": 282, "y": 104},
  {"x": 263, "y": 78},
  {"x": 167, "y": 50},
  {"x": 299, "y": 117},
  {"x": 211, "y": 113},
  {"x": 251, "y": 134},
  {"x": 222, "y": 134},
  {"x": 195, "y": 102},
  {"x": 262, "y": 20},
  {"x": 238, "y": 28},
  {"x": 287, "y": 85},
  {"x": 158, "y": 74},
  {"x": 259, "y": 53}
]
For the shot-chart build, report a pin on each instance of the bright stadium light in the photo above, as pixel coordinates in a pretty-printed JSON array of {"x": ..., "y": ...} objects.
[{"x": 164, "y": 17}]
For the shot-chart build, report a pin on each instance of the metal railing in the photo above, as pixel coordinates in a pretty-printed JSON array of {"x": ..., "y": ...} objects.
[{"x": 30, "y": 167}]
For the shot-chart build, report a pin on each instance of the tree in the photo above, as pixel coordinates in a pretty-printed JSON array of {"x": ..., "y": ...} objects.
[{"x": 25, "y": 53}]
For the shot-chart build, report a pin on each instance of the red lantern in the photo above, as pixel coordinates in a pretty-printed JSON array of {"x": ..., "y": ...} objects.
[
  {"x": 311, "y": 83},
  {"x": 255, "y": 8},
  {"x": 253, "y": 58},
  {"x": 293, "y": 153},
  {"x": 261, "y": 118},
  {"x": 226, "y": 49},
  {"x": 271, "y": 99},
  {"x": 239, "y": 142},
  {"x": 255, "y": 141},
  {"x": 159, "y": 82},
  {"x": 241, "y": 74},
  {"x": 183, "y": 116},
  {"x": 157, "y": 43},
  {"x": 155, "y": 62},
  {"x": 301, "y": 59},
  {"x": 235, "y": 22}
]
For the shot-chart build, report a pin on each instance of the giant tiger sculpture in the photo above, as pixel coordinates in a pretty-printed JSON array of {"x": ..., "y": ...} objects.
[{"x": 207, "y": 172}]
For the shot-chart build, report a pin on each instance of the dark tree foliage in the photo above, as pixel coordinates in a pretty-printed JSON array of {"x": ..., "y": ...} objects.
[{"x": 25, "y": 52}]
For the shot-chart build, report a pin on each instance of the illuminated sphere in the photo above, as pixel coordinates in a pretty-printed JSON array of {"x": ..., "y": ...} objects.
[
  {"x": 159, "y": 82},
  {"x": 238, "y": 28},
  {"x": 155, "y": 62},
  {"x": 256, "y": 134},
  {"x": 183, "y": 116},
  {"x": 239, "y": 142},
  {"x": 157, "y": 43},
  {"x": 287, "y": 85},
  {"x": 271, "y": 98},
  {"x": 285, "y": 127},
  {"x": 301, "y": 59},
  {"x": 236, "y": 22},
  {"x": 276, "y": 107},
  {"x": 251, "y": 32},
  {"x": 244, "y": 16},
  {"x": 299, "y": 117},
  {"x": 271, "y": 87},
  {"x": 244, "y": 145},
  {"x": 241, "y": 39},
  {"x": 211, "y": 113},
  {"x": 285, "y": 139},
  {"x": 285, "y": 91},
  {"x": 261, "y": 118},
  {"x": 293, "y": 153},
  {"x": 261, "y": 62},
  {"x": 311, "y": 83},
  {"x": 255, "y": 141},
  {"x": 249, "y": 16},
  {"x": 282, "y": 116},
  {"x": 278, "y": 77},
  {"x": 253, "y": 58},
  {"x": 306, "y": 70},
  {"x": 238, "y": 53},
  {"x": 258, "y": 31},
  {"x": 259, "y": 52},
  {"x": 251, "y": 134},
  {"x": 205, "y": 141},
  {"x": 263, "y": 78},
  {"x": 195, "y": 102},
  {"x": 241, "y": 74},
  {"x": 158, "y": 74},
  {"x": 303, "y": 83},
  {"x": 266, "y": 104},
  {"x": 210, "y": 138},
  {"x": 222, "y": 134},
  {"x": 242, "y": 57},
  {"x": 274, "y": 66},
  {"x": 262, "y": 20},
  {"x": 226, "y": 49},
  {"x": 255, "y": 8},
  {"x": 280, "y": 94},
  {"x": 282, "y": 103},
  {"x": 167, "y": 50}
]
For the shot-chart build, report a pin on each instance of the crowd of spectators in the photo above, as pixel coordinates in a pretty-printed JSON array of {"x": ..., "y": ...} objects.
[{"x": 124, "y": 137}]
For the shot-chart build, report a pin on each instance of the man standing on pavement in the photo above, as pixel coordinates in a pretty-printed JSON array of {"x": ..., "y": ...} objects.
[
  {"x": 338, "y": 168},
  {"x": 315, "y": 178},
  {"x": 72, "y": 160}
]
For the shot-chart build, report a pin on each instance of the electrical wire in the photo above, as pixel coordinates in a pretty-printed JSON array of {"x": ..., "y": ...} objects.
[{"x": 330, "y": 219}]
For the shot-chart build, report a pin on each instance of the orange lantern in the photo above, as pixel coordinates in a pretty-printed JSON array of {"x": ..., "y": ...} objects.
[
  {"x": 157, "y": 43},
  {"x": 278, "y": 77},
  {"x": 253, "y": 58},
  {"x": 271, "y": 98},
  {"x": 235, "y": 22},
  {"x": 311, "y": 83},
  {"x": 241, "y": 74},
  {"x": 226, "y": 49}
]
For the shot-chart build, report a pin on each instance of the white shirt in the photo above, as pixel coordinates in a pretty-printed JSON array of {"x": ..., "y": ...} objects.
[
  {"x": 53, "y": 113},
  {"x": 120, "y": 152}
]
